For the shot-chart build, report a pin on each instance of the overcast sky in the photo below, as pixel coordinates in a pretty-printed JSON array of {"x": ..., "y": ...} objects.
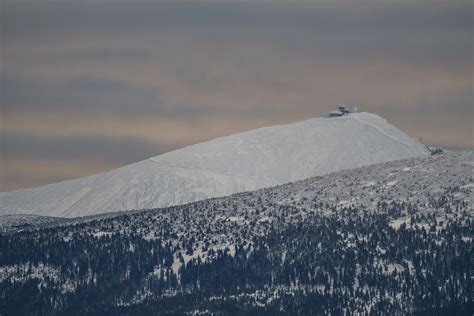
[{"x": 88, "y": 86}]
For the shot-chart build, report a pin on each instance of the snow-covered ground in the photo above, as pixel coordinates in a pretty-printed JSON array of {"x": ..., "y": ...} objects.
[{"x": 247, "y": 161}]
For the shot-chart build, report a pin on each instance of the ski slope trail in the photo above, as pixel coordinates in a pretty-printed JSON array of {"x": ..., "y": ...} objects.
[{"x": 246, "y": 161}]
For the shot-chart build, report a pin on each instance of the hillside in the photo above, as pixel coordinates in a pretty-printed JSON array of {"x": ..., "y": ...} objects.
[
  {"x": 247, "y": 161},
  {"x": 392, "y": 238}
]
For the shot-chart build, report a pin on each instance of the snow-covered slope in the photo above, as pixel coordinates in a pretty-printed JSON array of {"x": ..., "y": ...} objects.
[{"x": 241, "y": 162}]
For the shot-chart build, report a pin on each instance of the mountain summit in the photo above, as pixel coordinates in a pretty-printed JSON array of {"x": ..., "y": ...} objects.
[{"x": 246, "y": 161}]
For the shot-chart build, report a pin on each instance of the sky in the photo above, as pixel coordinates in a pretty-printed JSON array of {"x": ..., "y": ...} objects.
[{"x": 89, "y": 86}]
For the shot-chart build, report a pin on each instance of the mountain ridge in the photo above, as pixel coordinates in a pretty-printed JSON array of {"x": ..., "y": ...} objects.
[{"x": 235, "y": 163}]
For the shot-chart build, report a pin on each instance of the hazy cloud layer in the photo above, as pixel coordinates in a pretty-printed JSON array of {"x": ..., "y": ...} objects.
[{"x": 98, "y": 84}]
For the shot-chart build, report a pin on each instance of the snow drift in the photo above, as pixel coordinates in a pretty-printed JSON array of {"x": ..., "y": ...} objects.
[{"x": 247, "y": 161}]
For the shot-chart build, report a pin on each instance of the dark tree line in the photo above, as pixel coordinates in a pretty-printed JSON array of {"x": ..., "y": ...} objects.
[{"x": 323, "y": 264}]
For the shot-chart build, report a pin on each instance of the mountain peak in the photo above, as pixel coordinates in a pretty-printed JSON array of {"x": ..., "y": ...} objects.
[{"x": 245, "y": 161}]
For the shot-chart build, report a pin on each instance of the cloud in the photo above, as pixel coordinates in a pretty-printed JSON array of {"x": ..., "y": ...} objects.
[
  {"x": 77, "y": 94},
  {"x": 420, "y": 31},
  {"x": 89, "y": 149},
  {"x": 21, "y": 172},
  {"x": 158, "y": 131},
  {"x": 51, "y": 17}
]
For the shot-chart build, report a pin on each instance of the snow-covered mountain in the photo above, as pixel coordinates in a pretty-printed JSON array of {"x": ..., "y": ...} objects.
[{"x": 241, "y": 162}]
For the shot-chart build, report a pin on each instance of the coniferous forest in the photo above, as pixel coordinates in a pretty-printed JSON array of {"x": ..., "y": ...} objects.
[{"x": 364, "y": 241}]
